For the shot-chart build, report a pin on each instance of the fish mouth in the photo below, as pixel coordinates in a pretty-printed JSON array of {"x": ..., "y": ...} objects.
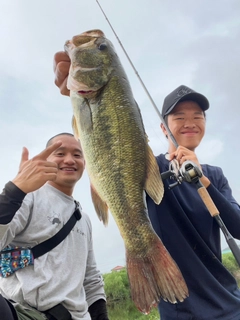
[
  {"x": 83, "y": 92},
  {"x": 88, "y": 94},
  {"x": 84, "y": 39},
  {"x": 80, "y": 88}
]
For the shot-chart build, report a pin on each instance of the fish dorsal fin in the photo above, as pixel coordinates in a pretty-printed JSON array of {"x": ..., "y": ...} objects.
[
  {"x": 100, "y": 206},
  {"x": 153, "y": 184}
]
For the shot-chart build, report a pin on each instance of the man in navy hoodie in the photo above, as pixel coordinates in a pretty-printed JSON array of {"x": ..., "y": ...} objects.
[{"x": 184, "y": 224}]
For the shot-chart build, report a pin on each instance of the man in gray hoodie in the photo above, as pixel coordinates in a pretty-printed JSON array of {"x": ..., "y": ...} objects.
[{"x": 33, "y": 207}]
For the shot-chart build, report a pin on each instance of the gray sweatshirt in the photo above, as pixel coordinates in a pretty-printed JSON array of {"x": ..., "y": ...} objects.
[{"x": 68, "y": 273}]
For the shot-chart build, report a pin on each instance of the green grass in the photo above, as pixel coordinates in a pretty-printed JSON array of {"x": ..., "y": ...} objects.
[{"x": 126, "y": 310}]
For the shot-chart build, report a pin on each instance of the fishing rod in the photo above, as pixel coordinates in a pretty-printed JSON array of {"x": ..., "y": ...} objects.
[
  {"x": 189, "y": 171},
  {"x": 142, "y": 83}
]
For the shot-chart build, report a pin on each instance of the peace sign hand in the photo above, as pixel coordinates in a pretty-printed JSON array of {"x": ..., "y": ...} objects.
[{"x": 34, "y": 173}]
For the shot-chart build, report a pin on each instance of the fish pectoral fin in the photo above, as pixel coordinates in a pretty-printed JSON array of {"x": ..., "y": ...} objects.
[
  {"x": 82, "y": 113},
  {"x": 100, "y": 206},
  {"x": 75, "y": 128},
  {"x": 153, "y": 184}
]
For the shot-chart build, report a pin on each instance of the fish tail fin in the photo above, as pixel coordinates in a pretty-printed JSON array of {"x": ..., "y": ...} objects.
[{"x": 155, "y": 276}]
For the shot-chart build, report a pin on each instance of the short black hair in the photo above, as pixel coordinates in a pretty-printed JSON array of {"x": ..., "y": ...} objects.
[{"x": 59, "y": 134}]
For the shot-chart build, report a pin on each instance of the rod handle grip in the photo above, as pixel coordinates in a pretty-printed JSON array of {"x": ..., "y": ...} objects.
[{"x": 208, "y": 201}]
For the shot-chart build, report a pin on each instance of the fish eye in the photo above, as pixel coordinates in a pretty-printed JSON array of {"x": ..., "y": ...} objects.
[{"x": 102, "y": 46}]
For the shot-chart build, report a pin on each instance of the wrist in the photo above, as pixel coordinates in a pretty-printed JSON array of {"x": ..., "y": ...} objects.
[
  {"x": 20, "y": 185},
  {"x": 12, "y": 189}
]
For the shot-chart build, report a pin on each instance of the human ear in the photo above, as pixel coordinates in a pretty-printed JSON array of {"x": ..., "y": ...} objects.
[{"x": 164, "y": 130}]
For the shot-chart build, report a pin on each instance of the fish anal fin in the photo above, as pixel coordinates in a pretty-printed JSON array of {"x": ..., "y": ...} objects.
[
  {"x": 100, "y": 206},
  {"x": 153, "y": 184},
  {"x": 153, "y": 277}
]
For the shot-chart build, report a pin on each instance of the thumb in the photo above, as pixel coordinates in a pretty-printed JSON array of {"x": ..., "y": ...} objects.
[{"x": 24, "y": 157}]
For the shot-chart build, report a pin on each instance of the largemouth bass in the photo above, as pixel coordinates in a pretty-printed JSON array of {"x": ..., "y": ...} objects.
[{"x": 120, "y": 165}]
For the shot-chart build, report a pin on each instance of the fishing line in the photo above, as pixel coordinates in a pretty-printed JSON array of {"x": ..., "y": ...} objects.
[{"x": 140, "y": 79}]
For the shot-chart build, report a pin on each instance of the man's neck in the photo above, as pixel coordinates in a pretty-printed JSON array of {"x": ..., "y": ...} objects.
[{"x": 64, "y": 189}]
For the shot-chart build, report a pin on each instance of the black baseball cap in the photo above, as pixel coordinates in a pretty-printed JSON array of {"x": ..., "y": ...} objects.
[{"x": 183, "y": 93}]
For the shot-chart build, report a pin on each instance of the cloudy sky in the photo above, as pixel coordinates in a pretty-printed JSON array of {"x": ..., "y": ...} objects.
[{"x": 196, "y": 43}]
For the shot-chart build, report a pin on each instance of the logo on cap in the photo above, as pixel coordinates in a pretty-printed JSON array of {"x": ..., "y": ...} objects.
[{"x": 182, "y": 92}]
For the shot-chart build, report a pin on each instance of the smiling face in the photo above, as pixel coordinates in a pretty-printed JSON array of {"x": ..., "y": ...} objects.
[
  {"x": 70, "y": 162},
  {"x": 187, "y": 124}
]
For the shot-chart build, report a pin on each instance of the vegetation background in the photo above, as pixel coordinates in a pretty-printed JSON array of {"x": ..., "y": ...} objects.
[{"x": 120, "y": 305}]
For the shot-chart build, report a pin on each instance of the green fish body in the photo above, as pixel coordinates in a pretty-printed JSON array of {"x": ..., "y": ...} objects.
[{"x": 120, "y": 165}]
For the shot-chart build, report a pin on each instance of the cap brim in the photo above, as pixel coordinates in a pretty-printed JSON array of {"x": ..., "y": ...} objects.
[{"x": 200, "y": 99}]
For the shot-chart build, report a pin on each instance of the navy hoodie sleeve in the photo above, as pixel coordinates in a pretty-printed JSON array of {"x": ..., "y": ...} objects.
[
  {"x": 229, "y": 212},
  {"x": 10, "y": 201},
  {"x": 221, "y": 195}
]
